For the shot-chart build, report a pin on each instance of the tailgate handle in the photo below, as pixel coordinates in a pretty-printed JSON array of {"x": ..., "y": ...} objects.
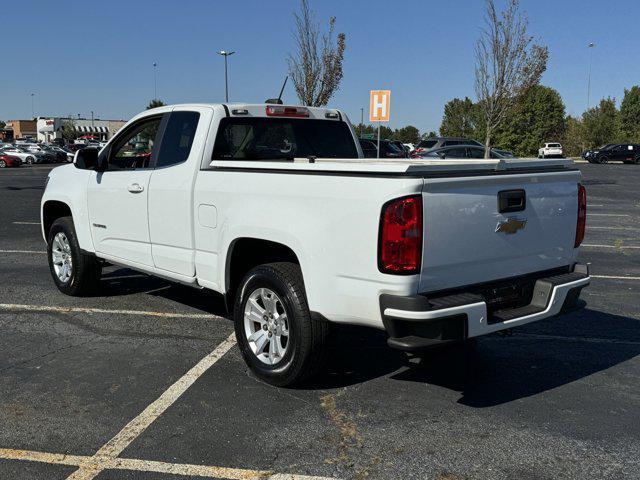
[{"x": 511, "y": 201}]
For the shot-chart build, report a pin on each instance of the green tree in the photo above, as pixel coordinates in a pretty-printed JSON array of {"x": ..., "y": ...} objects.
[
  {"x": 155, "y": 103},
  {"x": 537, "y": 118},
  {"x": 408, "y": 134},
  {"x": 459, "y": 118},
  {"x": 573, "y": 139},
  {"x": 630, "y": 115},
  {"x": 68, "y": 130},
  {"x": 430, "y": 134},
  {"x": 601, "y": 123}
]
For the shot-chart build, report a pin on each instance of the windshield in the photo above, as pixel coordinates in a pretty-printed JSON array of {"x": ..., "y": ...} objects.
[
  {"x": 606, "y": 146},
  {"x": 282, "y": 139}
]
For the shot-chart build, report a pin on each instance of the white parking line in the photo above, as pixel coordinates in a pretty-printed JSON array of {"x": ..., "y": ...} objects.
[
  {"x": 613, "y": 228},
  {"x": 615, "y": 277},
  {"x": 151, "y": 466},
  {"x": 26, "y": 223},
  {"x": 607, "y": 214},
  {"x": 114, "y": 447},
  {"x": 23, "y": 251},
  {"x": 611, "y": 246},
  {"x": 47, "y": 308}
]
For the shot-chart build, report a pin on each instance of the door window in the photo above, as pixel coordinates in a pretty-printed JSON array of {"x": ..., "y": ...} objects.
[
  {"x": 178, "y": 138},
  {"x": 133, "y": 150}
]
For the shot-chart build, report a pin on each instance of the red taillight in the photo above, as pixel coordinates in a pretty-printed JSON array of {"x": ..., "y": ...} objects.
[
  {"x": 282, "y": 111},
  {"x": 400, "y": 249},
  {"x": 582, "y": 215}
]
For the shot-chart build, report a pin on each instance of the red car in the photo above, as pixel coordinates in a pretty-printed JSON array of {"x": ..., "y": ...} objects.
[{"x": 9, "y": 161}]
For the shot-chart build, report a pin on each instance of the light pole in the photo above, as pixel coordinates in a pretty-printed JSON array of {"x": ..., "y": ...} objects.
[
  {"x": 361, "y": 120},
  {"x": 155, "y": 80},
  {"x": 226, "y": 78},
  {"x": 33, "y": 115},
  {"x": 591, "y": 45}
]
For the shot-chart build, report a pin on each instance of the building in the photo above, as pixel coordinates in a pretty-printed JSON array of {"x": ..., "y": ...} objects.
[
  {"x": 49, "y": 128},
  {"x": 22, "y": 128}
]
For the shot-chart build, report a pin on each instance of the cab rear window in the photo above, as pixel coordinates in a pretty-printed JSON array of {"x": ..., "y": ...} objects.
[{"x": 282, "y": 139}]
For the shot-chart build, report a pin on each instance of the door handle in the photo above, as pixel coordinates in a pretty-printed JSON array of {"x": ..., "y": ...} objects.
[{"x": 135, "y": 188}]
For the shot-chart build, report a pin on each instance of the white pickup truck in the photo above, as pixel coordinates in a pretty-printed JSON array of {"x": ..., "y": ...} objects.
[{"x": 275, "y": 208}]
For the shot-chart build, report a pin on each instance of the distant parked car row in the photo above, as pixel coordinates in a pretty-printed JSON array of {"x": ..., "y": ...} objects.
[
  {"x": 30, "y": 153},
  {"x": 624, "y": 152}
]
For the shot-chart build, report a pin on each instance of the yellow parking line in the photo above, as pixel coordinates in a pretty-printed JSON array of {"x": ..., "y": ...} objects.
[
  {"x": 46, "y": 308},
  {"x": 114, "y": 447},
  {"x": 149, "y": 466}
]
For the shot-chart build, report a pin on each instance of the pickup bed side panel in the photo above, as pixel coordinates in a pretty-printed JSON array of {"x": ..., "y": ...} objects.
[{"x": 331, "y": 223}]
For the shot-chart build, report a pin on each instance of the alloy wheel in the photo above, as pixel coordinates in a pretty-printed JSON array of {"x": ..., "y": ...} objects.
[
  {"x": 61, "y": 257},
  {"x": 266, "y": 326}
]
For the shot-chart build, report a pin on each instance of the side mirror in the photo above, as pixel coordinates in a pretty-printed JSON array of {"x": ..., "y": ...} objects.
[{"x": 86, "y": 158}]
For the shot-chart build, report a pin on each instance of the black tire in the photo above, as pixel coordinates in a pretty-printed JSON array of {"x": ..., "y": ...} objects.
[
  {"x": 3, "y": 164},
  {"x": 86, "y": 269},
  {"x": 29, "y": 160},
  {"x": 603, "y": 159},
  {"x": 305, "y": 352}
]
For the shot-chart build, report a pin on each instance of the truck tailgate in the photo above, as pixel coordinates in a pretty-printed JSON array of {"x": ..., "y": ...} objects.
[{"x": 467, "y": 240}]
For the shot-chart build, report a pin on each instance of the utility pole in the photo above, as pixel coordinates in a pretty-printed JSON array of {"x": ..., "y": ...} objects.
[
  {"x": 155, "y": 80},
  {"x": 591, "y": 45},
  {"x": 226, "y": 77}
]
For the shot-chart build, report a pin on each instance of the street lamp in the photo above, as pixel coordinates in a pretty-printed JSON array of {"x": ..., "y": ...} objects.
[
  {"x": 591, "y": 45},
  {"x": 226, "y": 78},
  {"x": 155, "y": 80},
  {"x": 32, "y": 110}
]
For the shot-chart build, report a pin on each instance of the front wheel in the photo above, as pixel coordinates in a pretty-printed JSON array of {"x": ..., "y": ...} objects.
[
  {"x": 3, "y": 164},
  {"x": 279, "y": 340},
  {"x": 75, "y": 273},
  {"x": 30, "y": 160}
]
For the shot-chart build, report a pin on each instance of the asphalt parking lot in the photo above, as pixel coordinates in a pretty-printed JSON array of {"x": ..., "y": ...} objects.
[{"x": 144, "y": 381}]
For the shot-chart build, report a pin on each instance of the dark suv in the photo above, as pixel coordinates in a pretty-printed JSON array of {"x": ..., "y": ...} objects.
[
  {"x": 625, "y": 152},
  {"x": 439, "y": 142},
  {"x": 388, "y": 149}
]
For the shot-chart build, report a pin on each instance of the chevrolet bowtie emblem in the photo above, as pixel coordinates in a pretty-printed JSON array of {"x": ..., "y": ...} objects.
[{"x": 511, "y": 225}]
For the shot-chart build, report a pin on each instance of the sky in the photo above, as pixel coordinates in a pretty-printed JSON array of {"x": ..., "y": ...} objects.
[{"x": 82, "y": 56}]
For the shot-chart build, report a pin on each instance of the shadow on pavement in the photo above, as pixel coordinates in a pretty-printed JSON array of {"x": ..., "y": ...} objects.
[{"x": 493, "y": 370}]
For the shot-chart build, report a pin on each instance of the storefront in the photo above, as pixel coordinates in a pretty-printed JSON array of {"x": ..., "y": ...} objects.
[{"x": 52, "y": 128}]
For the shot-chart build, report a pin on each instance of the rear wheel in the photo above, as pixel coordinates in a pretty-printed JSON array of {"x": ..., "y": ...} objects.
[
  {"x": 3, "y": 164},
  {"x": 75, "y": 273},
  {"x": 30, "y": 160},
  {"x": 279, "y": 340}
]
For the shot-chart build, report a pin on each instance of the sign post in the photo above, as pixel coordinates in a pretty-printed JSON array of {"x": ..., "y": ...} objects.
[{"x": 379, "y": 104}]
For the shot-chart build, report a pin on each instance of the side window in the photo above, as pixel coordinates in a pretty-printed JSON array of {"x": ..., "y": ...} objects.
[
  {"x": 475, "y": 152},
  {"x": 455, "y": 153},
  {"x": 178, "y": 138},
  {"x": 133, "y": 150}
]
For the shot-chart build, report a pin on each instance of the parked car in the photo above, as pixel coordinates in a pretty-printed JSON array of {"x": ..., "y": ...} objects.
[
  {"x": 7, "y": 160},
  {"x": 58, "y": 154},
  {"x": 624, "y": 152},
  {"x": 24, "y": 155},
  {"x": 388, "y": 149},
  {"x": 211, "y": 204},
  {"x": 550, "y": 150},
  {"x": 504, "y": 153},
  {"x": 459, "y": 151},
  {"x": 439, "y": 142}
]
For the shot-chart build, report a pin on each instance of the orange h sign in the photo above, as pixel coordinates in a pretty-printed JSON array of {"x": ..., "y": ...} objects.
[{"x": 379, "y": 103}]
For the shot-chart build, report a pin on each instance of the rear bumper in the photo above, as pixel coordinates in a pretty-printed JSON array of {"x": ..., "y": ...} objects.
[{"x": 420, "y": 322}]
